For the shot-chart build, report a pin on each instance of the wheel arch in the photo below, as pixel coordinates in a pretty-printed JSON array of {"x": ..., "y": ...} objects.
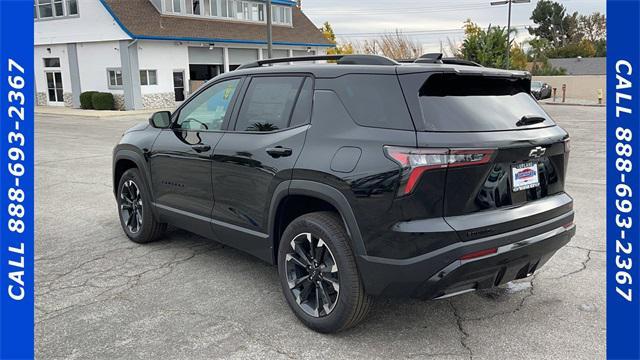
[
  {"x": 320, "y": 194},
  {"x": 123, "y": 160}
]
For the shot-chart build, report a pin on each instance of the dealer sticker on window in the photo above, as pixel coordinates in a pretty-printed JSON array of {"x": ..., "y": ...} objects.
[{"x": 525, "y": 176}]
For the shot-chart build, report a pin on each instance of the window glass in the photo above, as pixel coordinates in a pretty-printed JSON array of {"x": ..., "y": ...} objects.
[
  {"x": 58, "y": 7},
  {"x": 374, "y": 100},
  {"x": 72, "y": 7},
  {"x": 176, "y": 6},
  {"x": 153, "y": 78},
  {"x": 268, "y": 103},
  {"x": 287, "y": 16},
  {"x": 450, "y": 102},
  {"x": 46, "y": 8},
  {"x": 302, "y": 112},
  {"x": 196, "y": 7},
  {"x": 148, "y": 77},
  {"x": 115, "y": 77},
  {"x": 51, "y": 62},
  {"x": 208, "y": 109}
]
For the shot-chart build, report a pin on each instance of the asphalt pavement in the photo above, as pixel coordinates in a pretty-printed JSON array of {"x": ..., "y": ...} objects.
[{"x": 100, "y": 296}]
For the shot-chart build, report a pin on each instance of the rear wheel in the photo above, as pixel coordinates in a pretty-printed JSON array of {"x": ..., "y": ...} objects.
[
  {"x": 318, "y": 273},
  {"x": 134, "y": 208}
]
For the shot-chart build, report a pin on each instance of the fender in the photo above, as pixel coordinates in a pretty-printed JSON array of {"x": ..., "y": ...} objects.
[
  {"x": 143, "y": 166},
  {"x": 324, "y": 192}
]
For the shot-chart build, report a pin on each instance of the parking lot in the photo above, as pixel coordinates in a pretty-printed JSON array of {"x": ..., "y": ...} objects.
[{"x": 98, "y": 295}]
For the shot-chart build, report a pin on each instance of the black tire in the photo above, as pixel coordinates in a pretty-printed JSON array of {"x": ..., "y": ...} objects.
[
  {"x": 148, "y": 229},
  {"x": 346, "y": 307}
]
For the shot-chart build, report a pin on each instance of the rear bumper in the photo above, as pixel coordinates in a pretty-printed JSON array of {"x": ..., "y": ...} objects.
[{"x": 441, "y": 273}]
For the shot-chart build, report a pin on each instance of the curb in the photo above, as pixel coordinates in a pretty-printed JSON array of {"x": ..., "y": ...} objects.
[{"x": 574, "y": 104}]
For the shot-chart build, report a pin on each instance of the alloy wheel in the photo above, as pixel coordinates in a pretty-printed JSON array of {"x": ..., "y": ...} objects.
[
  {"x": 131, "y": 207},
  {"x": 312, "y": 275}
]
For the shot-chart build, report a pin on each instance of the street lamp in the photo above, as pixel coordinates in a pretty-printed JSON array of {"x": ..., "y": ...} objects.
[
  {"x": 269, "y": 31},
  {"x": 509, "y": 2}
]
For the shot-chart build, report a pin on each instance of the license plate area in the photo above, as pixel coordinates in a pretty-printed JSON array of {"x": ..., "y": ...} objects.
[{"x": 524, "y": 176}]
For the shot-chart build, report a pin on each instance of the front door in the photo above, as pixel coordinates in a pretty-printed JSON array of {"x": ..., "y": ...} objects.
[
  {"x": 257, "y": 154},
  {"x": 54, "y": 88},
  {"x": 178, "y": 85},
  {"x": 181, "y": 157}
]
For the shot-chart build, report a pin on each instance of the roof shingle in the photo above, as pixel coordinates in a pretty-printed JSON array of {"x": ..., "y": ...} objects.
[{"x": 142, "y": 20}]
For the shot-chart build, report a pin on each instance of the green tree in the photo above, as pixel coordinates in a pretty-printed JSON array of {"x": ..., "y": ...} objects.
[
  {"x": 327, "y": 32},
  {"x": 554, "y": 24},
  {"x": 488, "y": 47},
  {"x": 594, "y": 29}
]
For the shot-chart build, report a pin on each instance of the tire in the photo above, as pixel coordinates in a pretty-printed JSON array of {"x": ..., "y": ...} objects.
[
  {"x": 133, "y": 195},
  {"x": 342, "y": 307}
]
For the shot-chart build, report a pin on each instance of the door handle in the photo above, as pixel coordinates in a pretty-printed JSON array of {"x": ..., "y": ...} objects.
[
  {"x": 279, "y": 151},
  {"x": 201, "y": 148}
]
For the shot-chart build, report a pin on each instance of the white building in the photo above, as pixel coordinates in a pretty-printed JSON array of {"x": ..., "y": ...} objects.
[{"x": 153, "y": 53}]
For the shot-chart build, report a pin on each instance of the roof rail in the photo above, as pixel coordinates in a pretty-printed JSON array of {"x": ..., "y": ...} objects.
[{"x": 340, "y": 59}]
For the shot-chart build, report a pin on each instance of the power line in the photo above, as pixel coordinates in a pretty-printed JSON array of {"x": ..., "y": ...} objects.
[
  {"x": 416, "y": 32},
  {"x": 394, "y": 11}
]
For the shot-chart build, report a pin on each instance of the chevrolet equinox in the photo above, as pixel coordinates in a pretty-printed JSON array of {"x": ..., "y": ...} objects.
[{"x": 357, "y": 177}]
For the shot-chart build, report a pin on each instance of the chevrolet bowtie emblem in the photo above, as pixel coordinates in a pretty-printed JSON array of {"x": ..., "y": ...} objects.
[{"x": 537, "y": 152}]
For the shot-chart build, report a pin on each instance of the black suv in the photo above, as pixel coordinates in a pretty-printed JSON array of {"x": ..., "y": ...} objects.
[{"x": 358, "y": 177}]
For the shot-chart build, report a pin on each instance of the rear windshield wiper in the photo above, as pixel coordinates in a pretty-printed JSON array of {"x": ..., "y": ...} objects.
[{"x": 530, "y": 120}]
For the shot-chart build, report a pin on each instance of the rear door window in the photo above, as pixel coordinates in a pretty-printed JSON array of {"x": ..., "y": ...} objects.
[
  {"x": 462, "y": 103},
  {"x": 268, "y": 103}
]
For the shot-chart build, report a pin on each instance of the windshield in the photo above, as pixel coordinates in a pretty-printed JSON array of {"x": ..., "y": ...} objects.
[{"x": 452, "y": 102}]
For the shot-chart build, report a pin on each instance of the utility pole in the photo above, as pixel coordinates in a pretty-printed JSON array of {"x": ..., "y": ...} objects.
[
  {"x": 269, "y": 31},
  {"x": 509, "y": 2}
]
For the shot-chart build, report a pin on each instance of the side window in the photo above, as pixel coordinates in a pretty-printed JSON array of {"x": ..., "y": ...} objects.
[
  {"x": 374, "y": 100},
  {"x": 302, "y": 112},
  {"x": 208, "y": 109},
  {"x": 268, "y": 103}
]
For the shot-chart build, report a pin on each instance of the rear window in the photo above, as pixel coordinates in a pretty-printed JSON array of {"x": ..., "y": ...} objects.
[
  {"x": 459, "y": 103},
  {"x": 374, "y": 100}
]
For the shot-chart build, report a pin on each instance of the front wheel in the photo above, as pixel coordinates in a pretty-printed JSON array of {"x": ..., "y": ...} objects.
[
  {"x": 134, "y": 208},
  {"x": 318, "y": 274}
]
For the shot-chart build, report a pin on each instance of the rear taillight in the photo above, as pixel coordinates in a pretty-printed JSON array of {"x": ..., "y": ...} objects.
[{"x": 416, "y": 161}]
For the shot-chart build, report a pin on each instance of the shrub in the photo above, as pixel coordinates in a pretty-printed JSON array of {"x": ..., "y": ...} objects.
[
  {"x": 102, "y": 101},
  {"x": 86, "y": 99}
]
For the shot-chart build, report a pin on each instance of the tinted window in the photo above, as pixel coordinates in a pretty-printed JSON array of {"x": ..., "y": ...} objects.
[
  {"x": 451, "y": 102},
  {"x": 302, "y": 111},
  {"x": 268, "y": 103},
  {"x": 51, "y": 62},
  {"x": 208, "y": 109},
  {"x": 374, "y": 100}
]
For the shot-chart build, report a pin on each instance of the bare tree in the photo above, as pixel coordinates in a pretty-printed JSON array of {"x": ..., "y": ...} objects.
[{"x": 395, "y": 45}]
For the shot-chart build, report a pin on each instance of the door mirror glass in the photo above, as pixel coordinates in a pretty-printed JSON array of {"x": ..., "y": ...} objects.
[{"x": 160, "y": 120}]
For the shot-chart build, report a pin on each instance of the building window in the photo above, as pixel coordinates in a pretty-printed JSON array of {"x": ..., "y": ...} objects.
[
  {"x": 230, "y": 9},
  {"x": 281, "y": 15},
  {"x": 72, "y": 7},
  {"x": 51, "y": 62},
  {"x": 114, "y": 77},
  {"x": 148, "y": 77},
  {"x": 45, "y": 9},
  {"x": 48, "y": 9}
]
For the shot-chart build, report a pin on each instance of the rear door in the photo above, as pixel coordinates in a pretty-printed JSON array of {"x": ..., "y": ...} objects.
[
  {"x": 257, "y": 153},
  {"x": 524, "y": 154}
]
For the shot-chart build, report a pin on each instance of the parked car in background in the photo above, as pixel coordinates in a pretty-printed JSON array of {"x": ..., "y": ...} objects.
[{"x": 540, "y": 90}]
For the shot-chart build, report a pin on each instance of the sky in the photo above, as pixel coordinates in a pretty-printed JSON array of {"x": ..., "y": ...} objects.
[{"x": 429, "y": 22}]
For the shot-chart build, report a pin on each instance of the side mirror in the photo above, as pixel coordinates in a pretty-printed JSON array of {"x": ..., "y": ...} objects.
[{"x": 160, "y": 119}]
